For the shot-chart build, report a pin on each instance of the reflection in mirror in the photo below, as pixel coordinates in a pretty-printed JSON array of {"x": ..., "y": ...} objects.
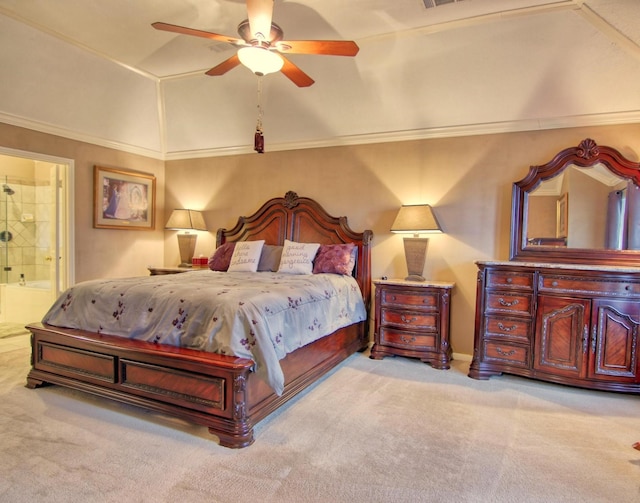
[{"x": 588, "y": 207}]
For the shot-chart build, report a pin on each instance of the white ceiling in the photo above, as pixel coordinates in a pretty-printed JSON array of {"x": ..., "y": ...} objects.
[{"x": 96, "y": 70}]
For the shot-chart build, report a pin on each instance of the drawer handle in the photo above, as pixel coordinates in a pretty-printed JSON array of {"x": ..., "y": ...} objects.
[
  {"x": 554, "y": 283},
  {"x": 407, "y": 340},
  {"x": 506, "y": 303},
  {"x": 509, "y": 280},
  {"x": 506, "y": 329},
  {"x": 628, "y": 288},
  {"x": 408, "y": 320},
  {"x": 505, "y": 353}
]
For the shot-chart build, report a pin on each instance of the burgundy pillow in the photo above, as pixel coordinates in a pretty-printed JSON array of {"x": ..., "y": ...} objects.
[
  {"x": 221, "y": 258},
  {"x": 336, "y": 259}
]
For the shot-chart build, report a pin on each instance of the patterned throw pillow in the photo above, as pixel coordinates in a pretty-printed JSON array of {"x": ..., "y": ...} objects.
[
  {"x": 246, "y": 256},
  {"x": 297, "y": 258},
  {"x": 336, "y": 259},
  {"x": 221, "y": 258}
]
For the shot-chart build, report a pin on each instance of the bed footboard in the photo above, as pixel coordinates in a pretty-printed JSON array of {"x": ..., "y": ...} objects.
[{"x": 216, "y": 391}]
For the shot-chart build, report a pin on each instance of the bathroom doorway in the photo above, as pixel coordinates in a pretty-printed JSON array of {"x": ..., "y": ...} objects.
[{"x": 36, "y": 234}]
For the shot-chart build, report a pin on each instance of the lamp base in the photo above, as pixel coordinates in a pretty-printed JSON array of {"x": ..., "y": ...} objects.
[
  {"x": 415, "y": 252},
  {"x": 187, "y": 245}
]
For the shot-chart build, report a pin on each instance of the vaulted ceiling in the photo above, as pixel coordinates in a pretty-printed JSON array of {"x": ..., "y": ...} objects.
[{"x": 96, "y": 70}]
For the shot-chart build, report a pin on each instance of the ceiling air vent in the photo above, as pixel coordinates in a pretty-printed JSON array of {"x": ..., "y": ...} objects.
[{"x": 435, "y": 3}]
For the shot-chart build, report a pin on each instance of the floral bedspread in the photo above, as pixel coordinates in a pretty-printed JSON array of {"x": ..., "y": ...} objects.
[{"x": 261, "y": 316}]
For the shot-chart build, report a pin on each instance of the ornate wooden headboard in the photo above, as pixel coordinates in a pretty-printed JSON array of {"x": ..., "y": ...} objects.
[{"x": 303, "y": 220}]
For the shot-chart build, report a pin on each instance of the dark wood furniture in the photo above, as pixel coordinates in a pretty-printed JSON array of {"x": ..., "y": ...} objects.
[
  {"x": 562, "y": 314},
  {"x": 566, "y": 324},
  {"x": 412, "y": 319},
  {"x": 219, "y": 392}
]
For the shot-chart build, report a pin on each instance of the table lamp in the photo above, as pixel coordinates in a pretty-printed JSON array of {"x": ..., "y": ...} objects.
[
  {"x": 415, "y": 219},
  {"x": 186, "y": 220}
]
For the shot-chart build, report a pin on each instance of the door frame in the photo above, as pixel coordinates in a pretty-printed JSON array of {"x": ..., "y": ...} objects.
[{"x": 64, "y": 207}]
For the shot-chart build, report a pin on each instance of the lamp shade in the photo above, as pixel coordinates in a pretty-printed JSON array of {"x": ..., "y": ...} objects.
[
  {"x": 260, "y": 60},
  {"x": 416, "y": 219},
  {"x": 187, "y": 220}
]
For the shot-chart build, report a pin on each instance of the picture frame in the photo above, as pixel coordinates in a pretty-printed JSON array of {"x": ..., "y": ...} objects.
[
  {"x": 123, "y": 199},
  {"x": 562, "y": 215}
]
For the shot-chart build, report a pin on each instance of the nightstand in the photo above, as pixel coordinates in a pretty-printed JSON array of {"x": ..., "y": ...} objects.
[
  {"x": 156, "y": 271},
  {"x": 412, "y": 319}
]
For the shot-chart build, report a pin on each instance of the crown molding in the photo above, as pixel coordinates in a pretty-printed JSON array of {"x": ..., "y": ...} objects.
[{"x": 607, "y": 119}]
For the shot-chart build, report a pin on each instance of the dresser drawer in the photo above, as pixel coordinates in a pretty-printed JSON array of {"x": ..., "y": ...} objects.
[
  {"x": 407, "y": 340},
  {"x": 507, "y": 302},
  {"x": 569, "y": 284},
  {"x": 503, "y": 352},
  {"x": 407, "y": 298},
  {"x": 518, "y": 329},
  {"x": 409, "y": 319},
  {"x": 510, "y": 279}
]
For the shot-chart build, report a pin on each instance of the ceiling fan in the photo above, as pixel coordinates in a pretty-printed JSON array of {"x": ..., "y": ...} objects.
[{"x": 262, "y": 49}]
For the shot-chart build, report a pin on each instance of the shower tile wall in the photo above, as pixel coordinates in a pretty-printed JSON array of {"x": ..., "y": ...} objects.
[{"x": 26, "y": 215}]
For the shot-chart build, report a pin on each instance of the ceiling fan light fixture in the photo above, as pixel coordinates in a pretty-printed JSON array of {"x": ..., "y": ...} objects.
[{"x": 260, "y": 60}]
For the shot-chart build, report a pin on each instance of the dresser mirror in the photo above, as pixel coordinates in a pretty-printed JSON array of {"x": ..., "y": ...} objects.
[{"x": 582, "y": 207}]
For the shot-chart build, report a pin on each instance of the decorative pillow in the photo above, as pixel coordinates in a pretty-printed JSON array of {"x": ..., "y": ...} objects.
[
  {"x": 221, "y": 258},
  {"x": 337, "y": 259},
  {"x": 270, "y": 258},
  {"x": 297, "y": 258},
  {"x": 246, "y": 256}
]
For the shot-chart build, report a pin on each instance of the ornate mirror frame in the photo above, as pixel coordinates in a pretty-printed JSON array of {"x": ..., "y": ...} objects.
[{"x": 585, "y": 155}]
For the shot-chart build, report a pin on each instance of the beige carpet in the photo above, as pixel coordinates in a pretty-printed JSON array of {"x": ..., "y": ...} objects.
[
  {"x": 394, "y": 430},
  {"x": 12, "y": 330}
]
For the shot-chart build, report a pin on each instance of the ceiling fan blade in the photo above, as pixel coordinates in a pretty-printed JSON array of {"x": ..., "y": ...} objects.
[
  {"x": 329, "y": 47},
  {"x": 196, "y": 33},
  {"x": 260, "y": 13},
  {"x": 225, "y": 66},
  {"x": 295, "y": 75}
]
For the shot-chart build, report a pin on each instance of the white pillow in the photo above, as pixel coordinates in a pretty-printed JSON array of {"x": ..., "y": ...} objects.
[
  {"x": 246, "y": 256},
  {"x": 297, "y": 258}
]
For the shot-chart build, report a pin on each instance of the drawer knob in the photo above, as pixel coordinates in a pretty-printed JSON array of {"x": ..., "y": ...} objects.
[
  {"x": 509, "y": 280},
  {"x": 408, "y": 320},
  {"x": 554, "y": 283},
  {"x": 628, "y": 288}
]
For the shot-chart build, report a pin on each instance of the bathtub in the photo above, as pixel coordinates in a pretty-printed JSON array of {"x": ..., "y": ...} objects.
[{"x": 25, "y": 303}]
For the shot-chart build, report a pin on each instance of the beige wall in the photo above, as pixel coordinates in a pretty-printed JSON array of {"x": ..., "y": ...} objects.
[{"x": 467, "y": 179}]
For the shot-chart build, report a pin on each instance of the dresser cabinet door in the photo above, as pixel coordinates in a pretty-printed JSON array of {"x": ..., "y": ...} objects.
[
  {"x": 614, "y": 341},
  {"x": 562, "y": 335}
]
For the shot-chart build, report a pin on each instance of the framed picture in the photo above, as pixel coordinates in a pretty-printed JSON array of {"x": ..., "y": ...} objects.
[
  {"x": 123, "y": 199},
  {"x": 562, "y": 215}
]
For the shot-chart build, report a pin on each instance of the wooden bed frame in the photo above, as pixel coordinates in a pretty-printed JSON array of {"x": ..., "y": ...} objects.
[{"x": 217, "y": 391}]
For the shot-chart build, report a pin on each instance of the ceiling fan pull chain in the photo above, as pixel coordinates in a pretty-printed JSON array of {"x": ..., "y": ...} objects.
[{"x": 258, "y": 140}]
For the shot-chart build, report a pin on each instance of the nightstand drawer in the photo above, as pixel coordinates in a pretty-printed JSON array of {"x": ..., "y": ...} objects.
[
  {"x": 408, "y": 340},
  {"x": 512, "y": 354},
  {"x": 409, "y": 319},
  {"x": 509, "y": 328},
  {"x": 400, "y": 298}
]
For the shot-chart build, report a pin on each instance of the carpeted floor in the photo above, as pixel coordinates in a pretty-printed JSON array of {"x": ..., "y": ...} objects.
[
  {"x": 12, "y": 330},
  {"x": 394, "y": 430}
]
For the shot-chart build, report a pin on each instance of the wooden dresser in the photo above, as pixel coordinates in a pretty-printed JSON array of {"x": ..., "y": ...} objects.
[
  {"x": 412, "y": 319},
  {"x": 569, "y": 324}
]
